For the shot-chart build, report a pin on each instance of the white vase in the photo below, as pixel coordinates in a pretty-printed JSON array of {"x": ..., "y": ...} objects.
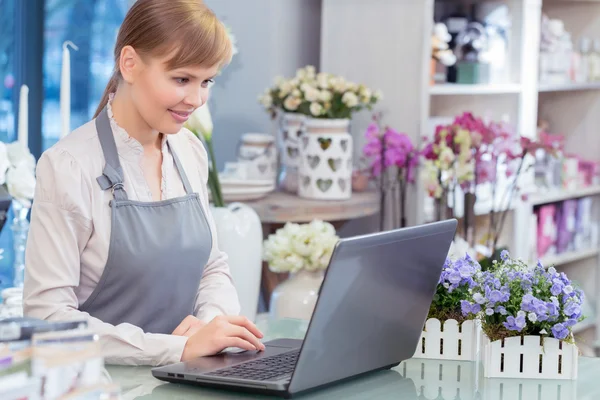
[
  {"x": 297, "y": 296},
  {"x": 239, "y": 233},
  {"x": 325, "y": 169},
  {"x": 291, "y": 127}
]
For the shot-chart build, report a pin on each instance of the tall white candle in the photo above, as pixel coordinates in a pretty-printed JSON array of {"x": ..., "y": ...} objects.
[
  {"x": 65, "y": 90},
  {"x": 23, "y": 135}
]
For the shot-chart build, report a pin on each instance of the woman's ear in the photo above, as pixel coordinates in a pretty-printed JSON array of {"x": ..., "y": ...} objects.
[{"x": 129, "y": 64}]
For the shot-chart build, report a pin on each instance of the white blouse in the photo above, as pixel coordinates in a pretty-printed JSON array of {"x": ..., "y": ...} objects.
[{"x": 69, "y": 236}]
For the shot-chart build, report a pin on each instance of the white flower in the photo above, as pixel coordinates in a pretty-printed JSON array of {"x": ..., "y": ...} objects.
[
  {"x": 552, "y": 271},
  {"x": 310, "y": 71},
  {"x": 296, "y": 93},
  {"x": 266, "y": 100},
  {"x": 310, "y": 93},
  {"x": 350, "y": 99},
  {"x": 378, "y": 94},
  {"x": 301, "y": 74},
  {"x": 323, "y": 80},
  {"x": 292, "y": 103},
  {"x": 568, "y": 289},
  {"x": 316, "y": 109},
  {"x": 521, "y": 314},
  {"x": 20, "y": 182},
  {"x": 285, "y": 88},
  {"x": 479, "y": 298},
  {"x": 200, "y": 122},
  {"x": 543, "y": 332},
  {"x": 532, "y": 316},
  {"x": 18, "y": 155},
  {"x": 325, "y": 95},
  {"x": 279, "y": 80},
  {"x": 4, "y": 163}
]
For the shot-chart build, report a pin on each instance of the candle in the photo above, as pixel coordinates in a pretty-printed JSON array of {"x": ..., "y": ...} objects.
[
  {"x": 65, "y": 90},
  {"x": 23, "y": 135}
]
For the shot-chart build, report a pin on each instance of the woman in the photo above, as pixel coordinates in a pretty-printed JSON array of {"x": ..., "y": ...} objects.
[{"x": 121, "y": 232}]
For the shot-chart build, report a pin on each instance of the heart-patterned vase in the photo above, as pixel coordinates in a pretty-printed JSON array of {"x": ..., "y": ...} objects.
[
  {"x": 291, "y": 127},
  {"x": 259, "y": 154},
  {"x": 325, "y": 167}
]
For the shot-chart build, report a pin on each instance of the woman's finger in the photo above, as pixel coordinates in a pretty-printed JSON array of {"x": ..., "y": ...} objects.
[
  {"x": 246, "y": 323},
  {"x": 240, "y": 343},
  {"x": 245, "y": 334}
]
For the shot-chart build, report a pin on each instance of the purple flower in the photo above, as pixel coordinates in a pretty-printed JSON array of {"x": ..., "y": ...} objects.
[
  {"x": 479, "y": 298},
  {"x": 572, "y": 309},
  {"x": 570, "y": 322},
  {"x": 515, "y": 324},
  {"x": 501, "y": 310},
  {"x": 557, "y": 287},
  {"x": 504, "y": 255},
  {"x": 469, "y": 308},
  {"x": 489, "y": 311},
  {"x": 560, "y": 331},
  {"x": 454, "y": 277}
]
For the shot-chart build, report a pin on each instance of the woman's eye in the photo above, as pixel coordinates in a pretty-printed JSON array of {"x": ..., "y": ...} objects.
[
  {"x": 207, "y": 83},
  {"x": 182, "y": 81}
]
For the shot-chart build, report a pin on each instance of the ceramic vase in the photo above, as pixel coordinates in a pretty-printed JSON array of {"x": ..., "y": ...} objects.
[
  {"x": 297, "y": 296},
  {"x": 291, "y": 128},
  {"x": 325, "y": 169},
  {"x": 239, "y": 234}
]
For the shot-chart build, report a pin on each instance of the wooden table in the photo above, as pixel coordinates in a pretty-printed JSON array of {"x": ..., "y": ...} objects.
[{"x": 279, "y": 207}]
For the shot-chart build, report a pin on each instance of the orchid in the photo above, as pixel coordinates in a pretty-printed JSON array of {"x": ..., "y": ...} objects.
[{"x": 390, "y": 150}]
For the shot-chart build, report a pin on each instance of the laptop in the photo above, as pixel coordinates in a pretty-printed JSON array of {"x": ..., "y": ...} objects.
[{"x": 369, "y": 315}]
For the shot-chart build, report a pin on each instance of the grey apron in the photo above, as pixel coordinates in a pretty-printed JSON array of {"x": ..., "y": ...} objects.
[{"x": 157, "y": 251}]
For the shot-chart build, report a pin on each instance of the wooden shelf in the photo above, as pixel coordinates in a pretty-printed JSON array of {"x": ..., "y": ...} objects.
[
  {"x": 567, "y": 87},
  {"x": 448, "y": 89},
  {"x": 560, "y": 195},
  {"x": 569, "y": 257}
]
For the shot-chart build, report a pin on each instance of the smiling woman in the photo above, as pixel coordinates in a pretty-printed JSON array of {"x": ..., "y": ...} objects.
[{"x": 121, "y": 230}]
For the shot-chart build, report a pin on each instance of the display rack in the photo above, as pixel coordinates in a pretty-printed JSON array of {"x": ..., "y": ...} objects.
[{"x": 393, "y": 53}]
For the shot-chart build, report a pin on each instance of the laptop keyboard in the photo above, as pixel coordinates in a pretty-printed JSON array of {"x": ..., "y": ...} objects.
[{"x": 264, "y": 369}]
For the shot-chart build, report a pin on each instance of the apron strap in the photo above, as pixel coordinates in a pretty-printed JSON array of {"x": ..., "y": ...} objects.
[
  {"x": 181, "y": 171},
  {"x": 112, "y": 175}
]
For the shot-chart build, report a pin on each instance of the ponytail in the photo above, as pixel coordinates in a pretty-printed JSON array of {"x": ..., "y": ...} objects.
[{"x": 111, "y": 87}]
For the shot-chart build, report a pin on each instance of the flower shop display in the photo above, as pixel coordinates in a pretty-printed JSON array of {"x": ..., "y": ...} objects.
[
  {"x": 471, "y": 44},
  {"x": 316, "y": 136},
  {"x": 393, "y": 160},
  {"x": 448, "y": 333},
  {"x": 239, "y": 230},
  {"x": 304, "y": 251},
  {"x": 527, "y": 316}
]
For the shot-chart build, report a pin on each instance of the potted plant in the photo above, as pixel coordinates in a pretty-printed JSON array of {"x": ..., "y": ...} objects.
[
  {"x": 303, "y": 251},
  {"x": 449, "y": 334},
  {"x": 527, "y": 316}
]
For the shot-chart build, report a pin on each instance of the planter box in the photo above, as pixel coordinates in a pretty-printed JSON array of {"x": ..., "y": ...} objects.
[
  {"x": 528, "y": 357},
  {"x": 449, "y": 341}
]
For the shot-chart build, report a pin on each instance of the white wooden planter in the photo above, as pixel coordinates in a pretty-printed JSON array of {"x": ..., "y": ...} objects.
[
  {"x": 449, "y": 341},
  {"x": 526, "y": 357}
]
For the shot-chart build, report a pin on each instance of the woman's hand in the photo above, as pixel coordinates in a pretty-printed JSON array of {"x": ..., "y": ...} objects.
[
  {"x": 220, "y": 333},
  {"x": 189, "y": 326}
]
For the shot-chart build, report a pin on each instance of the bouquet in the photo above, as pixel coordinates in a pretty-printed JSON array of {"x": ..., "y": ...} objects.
[
  {"x": 454, "y": 287},
  {"x": 514, "y": 299},
  {"x": 295, "y": 247},
  {"x": 319, "y": 95},
  {"x": 390, "y": 150},
  {"x": 17, "y": 172}
]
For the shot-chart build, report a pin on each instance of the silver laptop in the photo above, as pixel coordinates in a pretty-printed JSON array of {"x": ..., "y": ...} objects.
[{"x": 369, "y": 315}]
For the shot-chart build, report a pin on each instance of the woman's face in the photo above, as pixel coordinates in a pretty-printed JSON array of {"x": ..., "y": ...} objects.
[{"x": 166, "y": 98}]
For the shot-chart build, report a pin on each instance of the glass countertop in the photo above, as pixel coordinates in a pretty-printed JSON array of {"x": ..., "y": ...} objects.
[{"x": 412, "y": 379}]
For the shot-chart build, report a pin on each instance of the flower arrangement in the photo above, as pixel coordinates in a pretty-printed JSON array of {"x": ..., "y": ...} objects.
[
  {"x": 454, "y": 287},
  {"x": 17, "y": 172},
  {"x": 200, "y": 123},
  {"x": 318, "y": 95},
  {"x": 514, "y": 299},
  {"x": 390, "y": 151},
  {"x": 298, "y": 247}
]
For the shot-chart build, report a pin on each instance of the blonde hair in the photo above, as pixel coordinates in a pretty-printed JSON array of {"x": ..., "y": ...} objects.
[{"x": 186, "y": 28}]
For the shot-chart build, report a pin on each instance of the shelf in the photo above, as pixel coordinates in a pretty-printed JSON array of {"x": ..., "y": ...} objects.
[
  {"x": 448, "y": 89},
  {"x": 567, "y": 87},
  {"x": 568, "y": 257},
  {"x": 553, "y": 196}
]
